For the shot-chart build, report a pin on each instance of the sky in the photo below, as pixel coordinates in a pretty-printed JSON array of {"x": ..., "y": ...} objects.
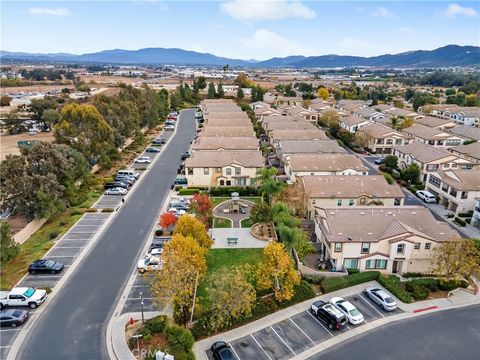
[{"x": 237, "y": 28}]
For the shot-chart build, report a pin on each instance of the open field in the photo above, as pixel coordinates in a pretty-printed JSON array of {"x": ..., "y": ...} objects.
[{"x": 9, "y": 142}]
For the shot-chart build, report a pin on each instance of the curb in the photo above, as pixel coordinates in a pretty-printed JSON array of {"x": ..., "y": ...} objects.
[{"x": 425, "y": 309}]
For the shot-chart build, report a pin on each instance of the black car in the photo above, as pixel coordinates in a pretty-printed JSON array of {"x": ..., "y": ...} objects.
[
  {"x": 159, "y": 141},
  {"x": 116, "y": 184},
  {"x": 379, "y": 161},
  {"x": 45, "y": 266},
  {"x": 13, "y": 317},
  {"x": 222, "y": 351},
  {"x": 180, "y": 181},
  {"x": 152, "y": 149},
  {"x": 186, "y": 155},
  {"x": 329, "y": 314}
]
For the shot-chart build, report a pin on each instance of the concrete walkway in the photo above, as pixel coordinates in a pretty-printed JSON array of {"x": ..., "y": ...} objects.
[{"x": 245, "y": 239}]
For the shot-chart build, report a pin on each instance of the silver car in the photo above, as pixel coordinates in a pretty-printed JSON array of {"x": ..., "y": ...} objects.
[
  {"x": 116, "y": 191},
  {"x": 381, "y": 298}
]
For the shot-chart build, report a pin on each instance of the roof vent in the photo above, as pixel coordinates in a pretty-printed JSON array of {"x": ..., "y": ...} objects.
[
  {"x": 414, "y": 213},
  {"x": 390, "y": 213},
  {"x": 349, "y": 238}
]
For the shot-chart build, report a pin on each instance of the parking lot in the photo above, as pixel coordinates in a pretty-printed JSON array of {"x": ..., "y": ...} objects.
[
  {"x": 133, "y": 303},
  {"x": 294, "y": 335},
  {"x": 65, "y": 251}
]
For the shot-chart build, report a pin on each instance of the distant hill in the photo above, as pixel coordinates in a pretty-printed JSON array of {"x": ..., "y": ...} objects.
[{"x": 450, "y": 55}]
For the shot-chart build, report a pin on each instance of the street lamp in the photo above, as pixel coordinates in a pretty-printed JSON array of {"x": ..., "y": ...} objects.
[{"x": 141, "y": 304}]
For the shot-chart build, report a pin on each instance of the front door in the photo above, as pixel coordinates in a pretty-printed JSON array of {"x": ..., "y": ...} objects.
[{"x": 395, "y": 267}]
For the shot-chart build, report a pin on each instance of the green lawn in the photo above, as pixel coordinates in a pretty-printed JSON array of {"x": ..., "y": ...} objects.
[
  {"x": 246, "y": 223},
  {"x": 221, "y": 223},
  {"x": 218, "y": 258}
]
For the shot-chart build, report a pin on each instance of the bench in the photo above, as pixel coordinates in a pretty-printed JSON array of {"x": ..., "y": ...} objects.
[{"x": 232, "y": 241}]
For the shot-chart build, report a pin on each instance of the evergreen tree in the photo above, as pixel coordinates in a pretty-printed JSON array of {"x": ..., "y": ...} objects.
[
  {"x": 220, "y": 92},
  {"x": 211, "y": 91},
  {"x": 240, "y": 94}
]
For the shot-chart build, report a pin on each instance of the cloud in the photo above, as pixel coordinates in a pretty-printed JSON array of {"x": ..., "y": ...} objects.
[
  {"x": 267, "y": 40},
  {"x": 266, "y": 10},
  {"x": 382, "y": 12},
  {"x": 454, "y": 10},
  {"x": 406, "y": 30},
  {"x": 49, "y": 11},
  {"x": 351, "y": 43}
]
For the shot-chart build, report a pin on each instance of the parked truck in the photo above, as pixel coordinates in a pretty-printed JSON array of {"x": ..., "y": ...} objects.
[{"x": 22, "y": 296}]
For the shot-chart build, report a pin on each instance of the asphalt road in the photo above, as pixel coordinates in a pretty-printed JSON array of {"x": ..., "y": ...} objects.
[
  {"x": 445, "y": 335},
  {"x": 75, "y": 322}
]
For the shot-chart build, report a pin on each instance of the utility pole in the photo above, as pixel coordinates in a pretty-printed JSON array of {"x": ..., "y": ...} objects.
[{"x": 194, "y": 297}]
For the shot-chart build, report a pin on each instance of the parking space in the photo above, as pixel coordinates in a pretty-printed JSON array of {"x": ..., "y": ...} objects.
[
  {"x": 133, "y": 303},
  {"x": 296, "y": 334}
]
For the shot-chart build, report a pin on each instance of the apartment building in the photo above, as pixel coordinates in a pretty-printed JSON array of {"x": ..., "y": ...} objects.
[
  {"x": 380, "y": 139},
  {"x": 434, "y": 137}
]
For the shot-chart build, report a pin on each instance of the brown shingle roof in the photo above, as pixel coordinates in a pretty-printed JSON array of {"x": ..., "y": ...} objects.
[
  {"x": 232, "y": 131},
  {"x": 424, "y": 153},
  {"x": 220, "y": 158},
  {"x": 465, "y": 180},
  {"x": 228, "y": 122},
  {"x": 226, "y": 143},
  {"x": 290, "y": 125},
  {"x": 427, "y": 133},
  {"x": 310, "y": 147},
  {"x": 325, "y": 162},
  {"x": 298, "y": 135},
  {"x": 472, "y": 150},
  {"x": 376, "y": 131}
]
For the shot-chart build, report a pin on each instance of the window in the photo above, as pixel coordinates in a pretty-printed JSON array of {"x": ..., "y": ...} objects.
[
  {"x": 434, "y": 181},
  {"x": 416, "y": 246},
  {"x": 376, "y": 264},
  {"x": 440, "y": 142},
  {"x": 398, "y": 141},
  {"x": 338, "y": 247},
  {"x": 339, "y": 202},
  {"x": 238, "y": 171},
  {"x": 454, "y": 165},
  {"x": 453, "y": 192},
  {"x": 365, "y": 248},
  {"x": 389, "y": 141},
  {"x": 218, "y": 170},
  {"x": 363, "y": 201},
  {"x": 350, "y": 263},
  {"x": 222, "y": 182},
  {"x": 464, "y": 195},
  {"x": 189, "y": 171},
  {"x": 228, "y": 171},
  {"x": 228, "y": 183},
  {"x": 206, "y": 171},
  {"x": 432, "y": 167},
  {"x": 241, "y": 182},
  {"x": 379, "y": 141},
  {"x": 400, "y": 248},
  {"x": 397, "y": 202},
  {"x": 428, "y": 246},
  {"x": 351, "y": 202}
]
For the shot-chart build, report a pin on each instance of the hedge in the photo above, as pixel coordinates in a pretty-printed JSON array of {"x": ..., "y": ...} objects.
[
  {"x": 467, "y": 214},
  {"x": 460, "y": 221},
  {"x": 227, "y": 191},
  {"x": 189, "y": 191},
  {"x": 107, "y": 210},
  {"x": 393, "y": 284},
  {"x": 416, "y": 275},
  {"x": 157, "y": 324},
  {"x": 180, "y": 336},
  {"x": 337, "y": 283},
  {"x": 313, "y": 279}
]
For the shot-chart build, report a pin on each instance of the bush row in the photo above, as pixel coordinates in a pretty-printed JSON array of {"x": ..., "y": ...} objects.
[
  {"x": 227, "y": 191},
  {"x": 393, "y": 284},
  {"x": 460, "y": 222},
  {"x": 337, "y": 283}
]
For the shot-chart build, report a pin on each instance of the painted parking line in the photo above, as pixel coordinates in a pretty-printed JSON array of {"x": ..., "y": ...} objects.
[
  {"x": 9, "y": 330},
  {"x": 62, "y": 256},
  {"x": 260, "y": 346},
  {"x": 303, "y": 332},
  {"x": 288, "y": 346},
  {"x": 234, "y": 352},
  {"x": 68, "y": 247},
  {"x": 371, "y": 305},
  {"x": 318, "y": 321}
]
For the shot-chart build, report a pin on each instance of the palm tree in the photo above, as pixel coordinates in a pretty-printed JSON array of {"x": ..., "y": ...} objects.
[
  {"x": 290, "y": 237},
  {"x": 268, "y": 184}
]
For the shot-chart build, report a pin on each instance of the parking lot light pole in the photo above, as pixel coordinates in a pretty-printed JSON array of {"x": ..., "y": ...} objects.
[{"x": 141, "y": 304}]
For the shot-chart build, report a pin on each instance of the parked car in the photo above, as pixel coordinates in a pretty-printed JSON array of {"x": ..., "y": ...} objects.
[
  {"x": 156, "y": 251},
  {"x": 45, "y": 266},
  {"x": 159, "y": 141},
  {"x": 116, "y": 184},
  {"x": 178, "y": 206},
  {"x": 116, "y": 191},
  {"x": 352, "y": 314},
  {"x": 169, "y": 127},
  {"x": 152, "y": 149},
  {"x": 170, "y": 122},
  {"x": 13, "y": 317},
  {"x": 143, "y": 160},
  {"x": 381, "y": 297},
  {"x": 426, "y": 196},
  {"x": 127, "y": 180},
  {"x": 22, "y": 296},
  {"x": 222, "y": 351},
  {"x": 328, "y": 314},
  {"x": 185, "y": 155},
  {"x": 129, "y": 177},
  {"x": 180, "y": 181},
  {"x": 130, "y": 173},
  {"x": 177, "y": 212},
  {"x": 180, "y": 200},
  {"x": 150, "y": 263},
  {"x": 379, "y": 161}
]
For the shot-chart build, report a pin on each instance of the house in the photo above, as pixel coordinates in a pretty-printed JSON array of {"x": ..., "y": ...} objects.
[
  {"x": 470, "y": 152},
  {"x": 317, "y": 105},
  {"x": 434, "y": 137},
  {"x": 404, "y": 113},
  {"x": 332, "y": 191},
  {"x": 296, "y": 165},
  {"x": 456, "y": 189},
  {"x": 353, "y": 123},
  {"x": 308, "y": 115},
  {"x": 388, "y": 239},
  {"x": 383, "y": 107},
  {"x": 429, "y": 158},
  {"x": 288, "y": 147},
  {"x": 232, "y": 131},
  {"x": 469, "y": 116},
  {"x": 380, "y": 139},
  {"x": 208, "y": 168},
  {"x": 262, "y": 112},
  {"x": 467, "y": 132},
  {"x": 314, "y": 134},
  {"x": 436, "y": 123},
  {"x": 226, "y": 122},
  {"x": 214, "y": 115},
  {"x": 225, "y": 143},
  {"x": 476, "y": 214},
  {"x": 349, "y": 105},
  {"x": 442, "y": 111},
  {"x": 368, "y": 114},
  {"x": 259, "y": 104},
  {"x": 281, "y": 119},
  {"x": 288, "y": 125}
]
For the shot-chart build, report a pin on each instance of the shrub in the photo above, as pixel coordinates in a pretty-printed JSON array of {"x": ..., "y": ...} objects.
[
  {"x": 389, "y": 178},
  {"x": 468, "y": 220},
  {"x": 450, "y": 216},
  {"x": 189, "y": 191},
  {"x": 460, "y": 222},
  {"x": 467, "y": 214},
  {"x": 337, "y": 283},
  {"x": 107, "y": 210},
  {"x": 431, "y": 284},
  {"x": 180, "y": 336},
  {"x": 313, "y": 279},
  {"x": 159, "y": 232},
  {"x": 157, "y": 324},
  {"x": 449, "y": 285},
  {"x": 392, "y": 284},
  {"x": 76, "y": 212},
  {"x": 146, "y": 334},
  {"x": 418, "y": 292},
  {"x": 53, "y": 234},
  {"x": 91, "y": 210},
  {"x": 353, "y": 271},
  {"x": 415, "y": 274}
]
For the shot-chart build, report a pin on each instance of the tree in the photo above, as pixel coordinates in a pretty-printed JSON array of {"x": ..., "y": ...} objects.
[
  {"x": 456, "y": 257},
  {"x": 293, "y": 196},
  {"x": 167, "y": 219},
  {"x": 398, "y": 104},
  {"x": 240, "y": 94},
  {"x": 188, "y": 225},
  {"x": 243, "y": 81},
  {"x": 202, "y": 205},
  {"x": 9, "y": 248},
  {"x": 211, "y": 91},
  {"x": 391, "y": 161},
  {"x": 200, "y": 82},
  {"x": 257, "y": 93},
  {"x": 5, "y": 100},
  {"x": 184, "y": 266},
  {"x": 407, "y": 122},
  {"x": 411, "y": 174},
  {"x": 261, "y": 214},
  {"x": 329, "y": 118},
  {"x": 84, "y": 129},
  {"x": 38, "y": 106},
  {"x": 323, "y": 93},
  {"x": 220, "y": 92},
  {"x": 50, "y": 117},
  {"x": 277, "y": 272},
  {"x": 230, "y": 296},
  {"x": 361, "y": 139},
  {"x": 268, "y": 184}
]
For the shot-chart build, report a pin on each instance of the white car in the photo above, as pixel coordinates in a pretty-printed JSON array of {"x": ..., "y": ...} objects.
[
  {"x": 354, "y": 316},
  {"x": 143, "y": 160},
  {"x": 426, "y": 196},
  {"x": 169, "y": 127},
  {"x": 150, "y": 263},
  {"x": 154, "y": 252},
  {"x": 116, "y": 191},
  {"x": 381, "y": 298},
  {"x": 177, "y": 212}
]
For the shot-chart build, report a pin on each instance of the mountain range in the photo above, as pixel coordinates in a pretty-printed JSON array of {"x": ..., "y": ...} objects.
[{"x": 447, "y": 56}]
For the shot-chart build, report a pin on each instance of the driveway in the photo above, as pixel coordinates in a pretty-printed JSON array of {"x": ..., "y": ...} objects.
[{"x": 74, "y": 323}]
